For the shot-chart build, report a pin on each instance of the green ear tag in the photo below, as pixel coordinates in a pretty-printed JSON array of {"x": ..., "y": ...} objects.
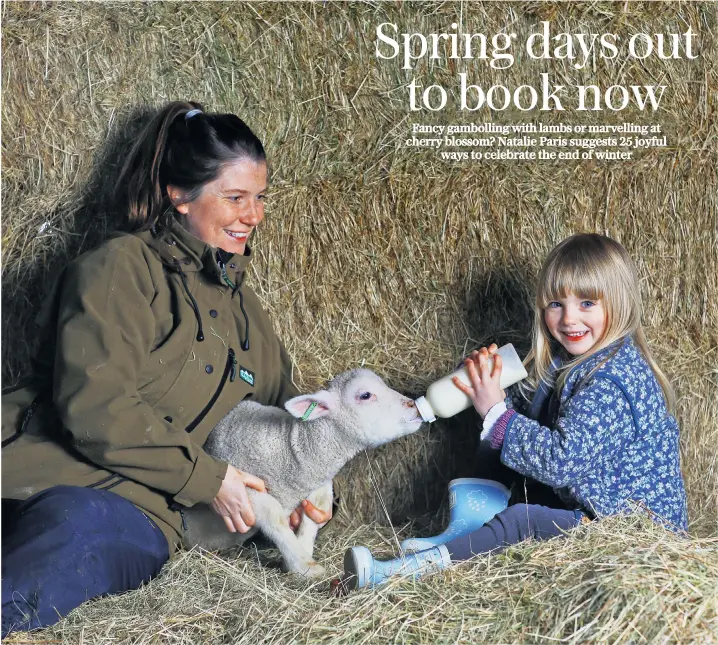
[{"x": 309, "y": 410}]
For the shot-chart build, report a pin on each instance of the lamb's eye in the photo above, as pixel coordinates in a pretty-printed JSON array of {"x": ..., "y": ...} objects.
[{"x": 365, "y": 396}]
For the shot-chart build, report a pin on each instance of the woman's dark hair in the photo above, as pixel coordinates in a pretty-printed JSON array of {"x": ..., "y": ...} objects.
[{"x": 178, "y": 151}]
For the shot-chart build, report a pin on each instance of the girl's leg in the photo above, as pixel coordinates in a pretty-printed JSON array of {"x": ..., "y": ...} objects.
[
  {"x": 516, "y": 524},
  {"x": 68, "y": 544}
]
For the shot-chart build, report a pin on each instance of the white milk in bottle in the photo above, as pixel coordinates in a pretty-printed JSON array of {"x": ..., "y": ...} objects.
[{"x": 444, "y": 399}]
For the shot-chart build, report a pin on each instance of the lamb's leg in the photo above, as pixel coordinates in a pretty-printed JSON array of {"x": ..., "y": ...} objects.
[
  {"x": 273, "y": 521},
  {"x": 322, "y": 498}
]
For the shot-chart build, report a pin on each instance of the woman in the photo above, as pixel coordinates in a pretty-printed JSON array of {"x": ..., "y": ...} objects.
[{"x": 147, "y": 342}]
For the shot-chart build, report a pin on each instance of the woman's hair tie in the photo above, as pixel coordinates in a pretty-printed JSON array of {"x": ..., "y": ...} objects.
[{"x": 192, "y": 113}]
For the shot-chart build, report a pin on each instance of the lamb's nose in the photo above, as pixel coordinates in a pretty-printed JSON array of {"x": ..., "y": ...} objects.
[{"x": 408, "y": 403}]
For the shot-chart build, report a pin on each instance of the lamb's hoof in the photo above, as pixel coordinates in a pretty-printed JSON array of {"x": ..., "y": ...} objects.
[
  {"x": 316, "y": 571},
  {"x": 313, "y": 571}
]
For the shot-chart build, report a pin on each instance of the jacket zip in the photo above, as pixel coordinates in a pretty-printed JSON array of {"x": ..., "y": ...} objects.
[
  {"x": 230, "y": 371},
  {"x": 29, "y": 412},
  {"x": 236, "y": 288},
  {"x": 102, "y": 481},
  {"x": 225, "y": 277},
  {"x": 117, "y": 483}
]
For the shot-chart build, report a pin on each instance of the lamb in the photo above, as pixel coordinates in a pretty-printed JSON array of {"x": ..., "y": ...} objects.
[{"x": 297, "y": 452}]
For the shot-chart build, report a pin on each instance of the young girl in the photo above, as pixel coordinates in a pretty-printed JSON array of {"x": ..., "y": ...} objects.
[{"x": 599, "y": 428}]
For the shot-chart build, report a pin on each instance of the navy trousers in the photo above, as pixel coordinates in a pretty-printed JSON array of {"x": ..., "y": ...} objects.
[
  {"x": 514, "y": 524},
  {"x": 68, "y": 544}
]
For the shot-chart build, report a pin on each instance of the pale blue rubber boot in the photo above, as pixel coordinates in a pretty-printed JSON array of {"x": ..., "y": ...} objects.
[
  {"x": 472, "y": 503},
  {"x": 362, "y": 570}
]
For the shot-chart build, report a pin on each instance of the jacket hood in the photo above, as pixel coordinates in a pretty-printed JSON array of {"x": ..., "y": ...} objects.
[{"x": 184, "y": 253}]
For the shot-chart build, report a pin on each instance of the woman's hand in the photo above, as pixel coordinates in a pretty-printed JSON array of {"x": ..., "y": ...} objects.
[
  {"x": 232, "y": 503},
  {"x": 312, "y": 512},
  {"x": 484, "y": 391}
]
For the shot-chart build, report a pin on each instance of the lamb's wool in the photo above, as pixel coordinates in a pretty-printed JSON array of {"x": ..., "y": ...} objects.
[{"x": 297, "y": 452}]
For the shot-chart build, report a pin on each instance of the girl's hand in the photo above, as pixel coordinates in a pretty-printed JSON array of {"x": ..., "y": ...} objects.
[
  {"x": 312, "y": 512},
  {"x": 484, "y": 391},
  {"x": 232, "y": 503}
]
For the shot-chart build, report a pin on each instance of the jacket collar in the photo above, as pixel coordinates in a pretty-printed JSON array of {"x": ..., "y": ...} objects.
[
  {"x": 586, "y": 367},
  {"x": 177, "y": 247},
  {"x": 579, "y": 372}
]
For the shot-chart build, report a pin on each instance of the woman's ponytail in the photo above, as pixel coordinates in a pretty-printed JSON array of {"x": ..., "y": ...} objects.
[
  {"x": 139, "y": 183},
  {"x": 184, "y": 147}
]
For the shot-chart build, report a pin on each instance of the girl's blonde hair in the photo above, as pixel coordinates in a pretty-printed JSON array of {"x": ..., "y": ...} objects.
[{"x": 593, "y": 267}]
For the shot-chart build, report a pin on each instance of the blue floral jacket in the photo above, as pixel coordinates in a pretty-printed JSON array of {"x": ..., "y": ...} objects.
[{"x": 612, "y": 439}]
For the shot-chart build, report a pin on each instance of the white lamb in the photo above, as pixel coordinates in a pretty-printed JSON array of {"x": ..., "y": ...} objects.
[{"x": 298, "y": 458}]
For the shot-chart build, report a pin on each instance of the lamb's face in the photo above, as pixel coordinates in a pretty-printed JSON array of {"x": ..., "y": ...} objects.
[
  {"x": 362, "y": 405},
  {"x": 381, "y": 414}
]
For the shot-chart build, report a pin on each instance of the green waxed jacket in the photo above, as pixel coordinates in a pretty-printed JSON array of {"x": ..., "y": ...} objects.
[{"x": 124, "y": 393}]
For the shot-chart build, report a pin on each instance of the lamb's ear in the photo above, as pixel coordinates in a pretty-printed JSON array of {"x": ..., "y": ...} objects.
[{"x": 322, "y": 404}]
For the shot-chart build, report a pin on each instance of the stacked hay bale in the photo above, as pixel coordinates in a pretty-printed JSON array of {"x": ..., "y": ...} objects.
[{"x": 373, "y": 253}]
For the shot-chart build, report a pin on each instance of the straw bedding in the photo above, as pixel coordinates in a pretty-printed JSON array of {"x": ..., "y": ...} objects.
[
  {"x": 621, "y": 581},
  {"x": 379, "y": 255}
]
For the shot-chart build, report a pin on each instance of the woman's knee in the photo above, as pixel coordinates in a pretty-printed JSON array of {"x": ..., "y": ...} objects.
[
  {"x": 73, "y": 519},
  {"x": 95, "y": 516},
  {"x": 71, "y": 544},
  {"x": 59, "y": 504}
]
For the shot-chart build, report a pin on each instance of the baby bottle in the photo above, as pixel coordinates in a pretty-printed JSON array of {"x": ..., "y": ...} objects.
[{"x": 444, "y": 399}]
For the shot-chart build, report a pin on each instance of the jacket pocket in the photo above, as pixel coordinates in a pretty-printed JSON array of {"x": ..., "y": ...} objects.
[{"x": 230, "y": 369}]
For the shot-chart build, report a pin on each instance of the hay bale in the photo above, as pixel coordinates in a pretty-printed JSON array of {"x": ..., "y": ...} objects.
[{"x": 373, "y": 253}]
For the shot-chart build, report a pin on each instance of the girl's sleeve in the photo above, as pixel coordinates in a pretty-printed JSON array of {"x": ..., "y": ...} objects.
[
  {"x": 594, "y": 423},
  {"x": 105, "y": 330},
  {"x": 514, "y": 400}
]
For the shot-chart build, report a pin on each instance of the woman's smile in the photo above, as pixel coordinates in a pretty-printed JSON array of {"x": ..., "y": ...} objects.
[
  {"x": 238, "y": 235},
  {"x": 229, "y": 208}
]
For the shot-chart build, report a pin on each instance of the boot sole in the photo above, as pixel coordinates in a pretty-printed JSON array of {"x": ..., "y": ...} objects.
[{"x": 358, "y": 565}]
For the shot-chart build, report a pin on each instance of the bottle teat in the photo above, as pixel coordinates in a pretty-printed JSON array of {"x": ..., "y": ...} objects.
[{"x": 425, "y": 409}]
